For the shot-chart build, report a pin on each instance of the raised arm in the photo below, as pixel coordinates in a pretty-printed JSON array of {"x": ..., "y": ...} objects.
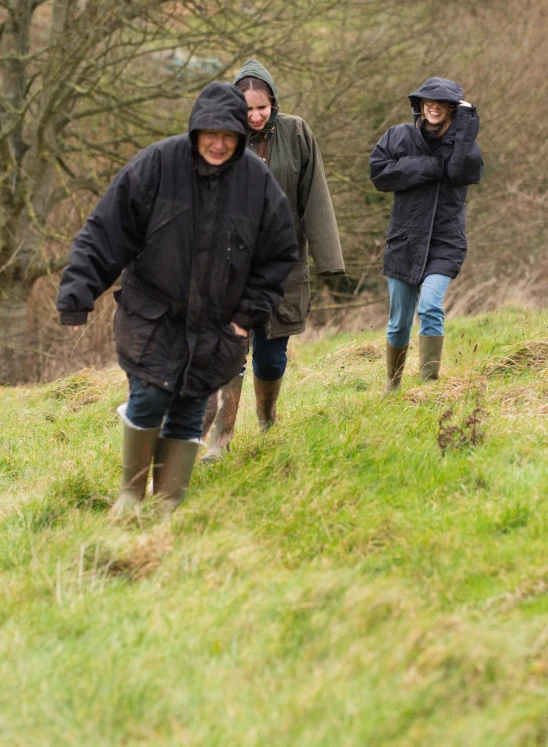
[
  {"x": 465, "y": 165},
  {"x": 392, "y": 174}
]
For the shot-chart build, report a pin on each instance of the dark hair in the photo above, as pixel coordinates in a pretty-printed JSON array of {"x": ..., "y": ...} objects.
[
  {"x": 256, "y": 84},
  {"x": 446, "y": 106}
]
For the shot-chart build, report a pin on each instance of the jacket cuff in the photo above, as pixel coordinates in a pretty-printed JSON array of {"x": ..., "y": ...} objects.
[
  {"x": 330, "y": 273},
  {"x": 242, "y": 320},
  {"x": 73, "y": 318},
  {"x": 461, "y": 109}
]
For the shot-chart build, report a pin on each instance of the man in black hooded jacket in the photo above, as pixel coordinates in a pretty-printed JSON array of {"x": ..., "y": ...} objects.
[{"x": 205, "y": 238}]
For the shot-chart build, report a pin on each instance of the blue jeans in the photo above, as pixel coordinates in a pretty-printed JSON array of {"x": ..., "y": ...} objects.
[
  {"x": 403, "y": 302},
  {"x": 148, "y": 405},
  {"x": 269, "y": 356}
]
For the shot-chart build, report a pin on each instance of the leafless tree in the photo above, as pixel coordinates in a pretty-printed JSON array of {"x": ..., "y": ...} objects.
[{"x": 81, "y": 85}]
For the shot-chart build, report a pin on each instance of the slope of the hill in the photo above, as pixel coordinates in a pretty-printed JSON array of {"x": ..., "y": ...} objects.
[{"x": 372, "y": 571}]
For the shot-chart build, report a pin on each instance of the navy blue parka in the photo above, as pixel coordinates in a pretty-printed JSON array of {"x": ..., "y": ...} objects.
[{"x": 426, "y": 233}]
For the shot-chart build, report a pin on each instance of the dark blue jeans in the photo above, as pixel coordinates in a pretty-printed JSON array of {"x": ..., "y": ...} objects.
[
  {"x": 269, "y": 356},
  {"x": 148, "y": 405}
]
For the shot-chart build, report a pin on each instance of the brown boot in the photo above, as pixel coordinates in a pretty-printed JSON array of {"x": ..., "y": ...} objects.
[
  {"x": 395, "y": 362},
  {"x": 430, "y": 349},
  {"x": 210, "y": 414},
  {"x": 173, "y": 464},
  {"x": 222, "y": 428},
  {"x": 266, "y": 395},
  {"x": 139, "y": 445}
]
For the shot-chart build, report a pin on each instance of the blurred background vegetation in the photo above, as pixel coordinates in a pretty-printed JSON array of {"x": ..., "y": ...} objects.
[{"x": 84, "y": 85}]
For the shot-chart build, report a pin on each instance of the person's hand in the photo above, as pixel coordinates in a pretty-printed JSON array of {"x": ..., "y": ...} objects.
[
  {"x": 239, "y": 330},
  {"x": 465, "y": 103}
]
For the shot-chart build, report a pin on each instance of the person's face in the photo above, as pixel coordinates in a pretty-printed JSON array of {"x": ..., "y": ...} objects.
[
  {"x": 217, "y": 146},
  {"x": 259, "y": 109},
  {"x": 435, "y": 113}
]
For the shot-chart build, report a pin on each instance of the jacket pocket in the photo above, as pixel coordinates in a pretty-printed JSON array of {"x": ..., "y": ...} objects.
[
  {"x": 398, "y": 253},
  {"x": 239, "y": 252},
  {"x": 397, "y": 234},
  {"x": 238, "y": 260},
  {"x": 295, "y": 305},
  {"x": 136, "y": 320},
  {"x": 230, "y": 355},
  {"x": 217, "y": 361}
]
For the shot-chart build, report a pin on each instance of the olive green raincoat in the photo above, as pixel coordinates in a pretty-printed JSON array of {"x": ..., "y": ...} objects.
[{"x": 296, "y": 162}]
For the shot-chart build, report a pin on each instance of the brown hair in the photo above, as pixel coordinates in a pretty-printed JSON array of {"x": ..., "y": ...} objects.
[
  {"x": 256, "y": 84},
  {"x": 448, "y": 108}
]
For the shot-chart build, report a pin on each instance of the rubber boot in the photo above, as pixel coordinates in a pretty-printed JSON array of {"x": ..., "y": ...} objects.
[
  {"x": 222, "y": 429},
  {"x": 430, "y": 349},
  {"x": 266, "y": 396},
  {"x": 139, "y": 445},
  {"x": 395, "y": 362},
  {"x": 173, "y": 463},
  {"x": 210, "y": 414}
]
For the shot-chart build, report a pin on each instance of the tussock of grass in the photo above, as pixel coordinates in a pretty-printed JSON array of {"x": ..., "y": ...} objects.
[
  {"x": 81, "y": 389},
  {"x": 531, "y": 354},
  {"x": 341, "y": 579},
  {"x": 356, "y": 351}
]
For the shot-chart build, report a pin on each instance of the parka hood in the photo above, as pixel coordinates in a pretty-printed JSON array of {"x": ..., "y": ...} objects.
[
  {"x": 220, "y": 106},
  {"x": 255, "y": 69},
  {"x": 436, "y": 89}
]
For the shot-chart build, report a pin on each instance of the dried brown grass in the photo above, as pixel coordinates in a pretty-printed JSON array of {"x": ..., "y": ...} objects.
[
  {"x": 84, "y": 387},
  {"x": 135, "y": 558},
  {"x": 356, "y": 353},
  {"x": 523, "y": 355},
  {"x": 451, "y": 389},
  {"x": 519, "y": 399}
]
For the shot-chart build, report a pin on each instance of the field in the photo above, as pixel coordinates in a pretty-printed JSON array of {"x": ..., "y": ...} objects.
[{"x": 373, "y": 571}]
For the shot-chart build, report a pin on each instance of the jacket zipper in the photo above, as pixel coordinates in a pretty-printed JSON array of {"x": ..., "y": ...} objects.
[{"x": 430, "y": 153}]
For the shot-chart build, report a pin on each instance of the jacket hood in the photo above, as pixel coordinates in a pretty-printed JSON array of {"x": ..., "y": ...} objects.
[
  {"x": 255, "y": 69},
  {"x": 436, "y": 89},
  {"x": 220, "y": 106}
]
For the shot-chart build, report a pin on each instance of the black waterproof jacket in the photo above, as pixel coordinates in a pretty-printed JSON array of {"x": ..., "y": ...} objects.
[
  {"x": 179, "y": 293},
  {"x": 426, "y": 233}
]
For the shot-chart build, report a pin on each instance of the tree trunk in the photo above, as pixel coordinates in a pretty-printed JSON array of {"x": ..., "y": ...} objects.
[{"x": 15, "y": 346}]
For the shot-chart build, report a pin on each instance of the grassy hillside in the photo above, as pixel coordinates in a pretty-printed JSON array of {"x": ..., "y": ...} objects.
[{"x": 362, "y": 574}]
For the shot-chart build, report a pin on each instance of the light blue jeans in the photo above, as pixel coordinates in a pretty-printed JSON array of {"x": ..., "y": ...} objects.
[{"x": 403, "y": 302}]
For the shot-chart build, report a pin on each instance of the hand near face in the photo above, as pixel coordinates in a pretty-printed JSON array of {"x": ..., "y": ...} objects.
[{"x": 465, "y": 103}]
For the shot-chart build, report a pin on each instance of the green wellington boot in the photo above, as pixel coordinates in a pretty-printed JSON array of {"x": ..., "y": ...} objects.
[
  {"x": 266, "y": 396},
  {"x": 430, "y": 349},
  {"x": 222, "y": 428},
  {"x": 173, "y": 464},
  {"x": 138, "y": 447},
  {"x": 395, "y": 362}
]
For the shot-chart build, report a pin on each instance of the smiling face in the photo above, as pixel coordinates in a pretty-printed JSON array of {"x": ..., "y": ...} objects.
[
  {"x": 259, "y": 109},
  {"x": 435, "y": 113},
  {"x": 217, "y": 146}
]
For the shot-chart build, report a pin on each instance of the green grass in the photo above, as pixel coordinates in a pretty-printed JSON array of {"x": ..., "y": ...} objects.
[{"x": 338, "y": 581}]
